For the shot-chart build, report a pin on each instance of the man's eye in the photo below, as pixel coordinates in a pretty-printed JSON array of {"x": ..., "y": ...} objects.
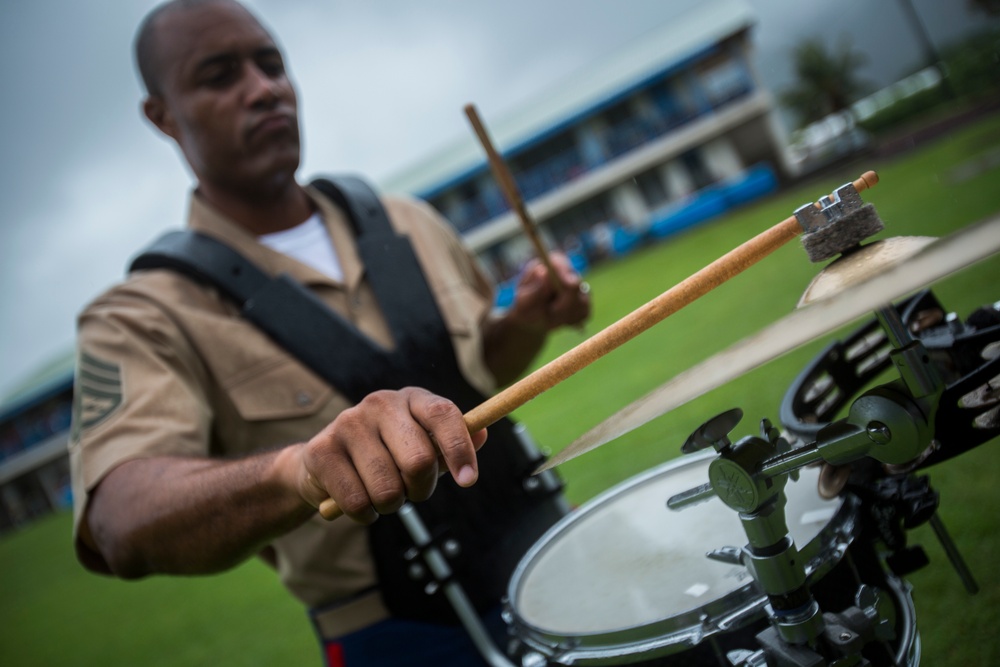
[
  {"x": 220, "y": 75},
  {"x": 272, "y": 66}
]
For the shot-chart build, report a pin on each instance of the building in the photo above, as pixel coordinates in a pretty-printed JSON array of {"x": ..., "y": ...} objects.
[
  {"x": 34, "y": 465},
  {"x": 668, "y": 132}
]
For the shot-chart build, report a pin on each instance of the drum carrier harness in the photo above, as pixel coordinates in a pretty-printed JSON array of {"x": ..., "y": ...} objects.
[{"x": 486, "y": 528}]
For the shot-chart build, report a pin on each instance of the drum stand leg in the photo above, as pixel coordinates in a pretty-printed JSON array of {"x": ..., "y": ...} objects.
[
  {"x": 442, "y": 573},
  {"x": 964, "y": 573}
]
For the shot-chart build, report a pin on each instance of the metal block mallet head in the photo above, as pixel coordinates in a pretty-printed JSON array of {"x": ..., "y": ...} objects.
[{"x": 839, "y": 222}]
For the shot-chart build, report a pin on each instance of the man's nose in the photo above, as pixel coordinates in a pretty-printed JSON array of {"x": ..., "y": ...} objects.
[{"x": 261, "y": 88}]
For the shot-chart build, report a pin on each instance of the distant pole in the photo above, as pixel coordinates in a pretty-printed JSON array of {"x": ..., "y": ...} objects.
[{"x": 930, "y": 52}]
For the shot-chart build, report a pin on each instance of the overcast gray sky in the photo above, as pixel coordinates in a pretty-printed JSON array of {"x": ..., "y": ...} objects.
[{"x": 85, "y": 182}]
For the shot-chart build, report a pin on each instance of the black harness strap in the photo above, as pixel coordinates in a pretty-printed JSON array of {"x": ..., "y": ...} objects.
[{"x": 280, "y": 306}]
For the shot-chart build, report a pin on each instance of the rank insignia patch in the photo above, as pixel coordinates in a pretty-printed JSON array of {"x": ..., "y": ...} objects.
[{"x": 98, "y": 390}]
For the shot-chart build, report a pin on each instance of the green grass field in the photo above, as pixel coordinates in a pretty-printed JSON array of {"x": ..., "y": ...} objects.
[{"x": 54, "y": 613}]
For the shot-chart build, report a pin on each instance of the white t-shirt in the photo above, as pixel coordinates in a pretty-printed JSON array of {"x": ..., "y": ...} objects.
[{"x": 308, "y": 243}]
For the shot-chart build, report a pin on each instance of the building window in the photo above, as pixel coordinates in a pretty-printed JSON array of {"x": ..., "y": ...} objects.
[
  {"x": 465, "y": 207},
  {"x": 695, "y": 165},
  {"x": 653, "y": 191},
  {"x": 548, "y": 166},
  {"x": 626, "y": 129},
  {"x": 670, "y": 105},
  {"x": 725, "y": 81}
]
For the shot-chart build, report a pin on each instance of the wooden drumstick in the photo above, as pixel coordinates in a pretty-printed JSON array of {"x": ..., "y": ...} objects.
[
  {"x": 513, "y": 196},
  {"x": 683, "y": 293},
  {"x": 641, "y": 319}
]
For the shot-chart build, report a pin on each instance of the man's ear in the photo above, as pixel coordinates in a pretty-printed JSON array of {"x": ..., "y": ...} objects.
[{"x": 155, "y": 109}]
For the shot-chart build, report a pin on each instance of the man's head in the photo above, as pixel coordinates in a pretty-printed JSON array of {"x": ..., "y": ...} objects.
[{"x": 217, "y": 85}]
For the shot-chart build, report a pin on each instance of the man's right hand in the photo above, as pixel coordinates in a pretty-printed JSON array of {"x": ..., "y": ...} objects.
[
  {"x": 177, "y": 515},
  {"x": 385, "y": 450}
]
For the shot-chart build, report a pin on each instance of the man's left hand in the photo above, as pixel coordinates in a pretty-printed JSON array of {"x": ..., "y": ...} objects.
[{"x": 537, "y": 304}]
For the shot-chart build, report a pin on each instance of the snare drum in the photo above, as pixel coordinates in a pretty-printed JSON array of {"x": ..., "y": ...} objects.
[{"x": 624, "y": 579}]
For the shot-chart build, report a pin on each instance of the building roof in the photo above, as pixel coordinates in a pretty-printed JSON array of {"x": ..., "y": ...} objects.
[
  {"x": 55, "y": 377},
  {"x": 660, "y": 50}
]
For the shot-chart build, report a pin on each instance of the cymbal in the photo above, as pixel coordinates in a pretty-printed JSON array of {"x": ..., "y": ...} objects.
[
  {"x": 935, "y": 261},
  {"x": 858, "y": 266}
]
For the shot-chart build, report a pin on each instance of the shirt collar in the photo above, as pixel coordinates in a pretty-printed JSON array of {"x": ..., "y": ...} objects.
[{"x": 203, "y": 218}]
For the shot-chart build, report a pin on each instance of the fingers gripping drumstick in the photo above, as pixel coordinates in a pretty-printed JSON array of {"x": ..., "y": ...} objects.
[{"x": 690, "y": 289}]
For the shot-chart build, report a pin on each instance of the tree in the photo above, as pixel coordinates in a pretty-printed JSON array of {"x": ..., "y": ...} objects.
[{"x": 827, "y": 82}]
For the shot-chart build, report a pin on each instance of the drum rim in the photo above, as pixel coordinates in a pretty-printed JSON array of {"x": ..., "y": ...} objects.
[{"x": 677, "y": 632}]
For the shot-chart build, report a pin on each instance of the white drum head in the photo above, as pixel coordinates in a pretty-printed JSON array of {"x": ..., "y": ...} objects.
[{"x": 624, "y": 564}]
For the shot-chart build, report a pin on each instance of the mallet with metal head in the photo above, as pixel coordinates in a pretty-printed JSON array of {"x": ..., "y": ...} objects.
[{"x": 836, "y": 225}]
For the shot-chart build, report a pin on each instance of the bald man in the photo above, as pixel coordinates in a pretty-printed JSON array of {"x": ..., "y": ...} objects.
[{"x": 198, "y": 441}]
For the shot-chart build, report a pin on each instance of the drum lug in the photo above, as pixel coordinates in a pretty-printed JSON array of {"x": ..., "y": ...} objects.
[
  {"x": 877, "y": 608},
  {"x": 742, "y": 657},
  {"x": 728, "y": 555},
  {"x": 533, "y": 659}
]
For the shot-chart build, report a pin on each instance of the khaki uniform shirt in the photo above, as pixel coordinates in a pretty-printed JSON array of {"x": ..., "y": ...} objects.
[{"x": 167, "y": 367}]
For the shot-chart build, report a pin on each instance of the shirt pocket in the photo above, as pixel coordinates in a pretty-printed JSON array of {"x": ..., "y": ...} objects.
[{"x": 278, "y": 390}]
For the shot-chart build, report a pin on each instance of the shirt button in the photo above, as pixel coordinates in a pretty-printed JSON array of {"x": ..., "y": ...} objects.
[{"x": 303, "y": 398}]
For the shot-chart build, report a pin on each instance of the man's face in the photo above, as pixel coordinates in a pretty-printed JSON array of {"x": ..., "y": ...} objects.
[{"x": 226, "y": 98}]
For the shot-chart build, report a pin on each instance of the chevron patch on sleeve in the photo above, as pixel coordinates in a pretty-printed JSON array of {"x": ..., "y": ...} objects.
[{"x": 98, "y": 390}]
